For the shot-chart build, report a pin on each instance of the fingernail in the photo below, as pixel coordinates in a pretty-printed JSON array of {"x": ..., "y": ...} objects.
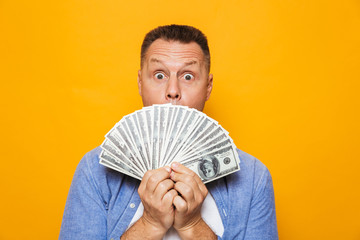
[
  {"x": 174, "y": 165},
  {"x": 167, "y": 168}
]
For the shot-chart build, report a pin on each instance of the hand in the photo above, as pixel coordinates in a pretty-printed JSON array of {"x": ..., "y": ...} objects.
[
  {"x": 192, "y": 193},
  {"x": 157, "y": 195}
]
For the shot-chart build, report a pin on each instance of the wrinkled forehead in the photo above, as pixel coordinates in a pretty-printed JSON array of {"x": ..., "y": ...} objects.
[{"x": 174, "y": 51}]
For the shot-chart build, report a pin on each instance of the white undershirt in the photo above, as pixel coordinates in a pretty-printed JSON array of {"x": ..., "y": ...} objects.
[{"x": 209, "y": 213}]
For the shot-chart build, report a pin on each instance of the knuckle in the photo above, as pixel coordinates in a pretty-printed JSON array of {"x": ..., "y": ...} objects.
[
  {"x": 187, "y": 191},
  {"x": 182, "y": 207},
  {"x": 144, "y": 198},
  {"x": 166, "y": 184},
  {"x": 162, "y": 185},
  {"x": 206, "y": 192},
  {"x": 147, "y": 174},
  {"x": 200, "y": 198},
  {"x": 140, "y": 192},
  {"x": 188, "y": 178},
  {"x": 152, "y": 179}
]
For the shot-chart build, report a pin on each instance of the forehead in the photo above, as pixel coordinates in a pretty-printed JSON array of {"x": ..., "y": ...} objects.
[{"x": 174, "y": 51}]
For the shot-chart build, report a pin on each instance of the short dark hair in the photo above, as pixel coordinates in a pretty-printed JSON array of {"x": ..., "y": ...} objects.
[{"x": 174, "y": 32}]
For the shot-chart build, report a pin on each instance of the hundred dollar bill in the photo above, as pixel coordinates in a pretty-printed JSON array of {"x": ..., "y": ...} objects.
[
  {"x": 207, "y": 145},
  {"x": 201, "y": 126},
  {"x": 122, "y": 133},
  {"x": 157, "y": 135},
  {"x": 168, "y": 124},
  {"x": 215, "y": 165},
  {"x": 163, "y": 118},
  {"x": 177, "y": 113},
  {"x": 213, "y": 131},
  {"x": 202, "y": 152},
  {"x": 209, "y": 131},
  {"x": 112, "y": 162},
  {"x": 186, "y": 130},
  {"x": 207, "y": 148},
  {"x": 135, "y": 137},
  {"x": 148, "y": 116},
  {"x": 121, "y": 155},
  {"x": 142, "y": 127}
]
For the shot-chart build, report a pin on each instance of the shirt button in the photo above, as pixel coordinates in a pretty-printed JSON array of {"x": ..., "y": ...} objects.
[{"x": 132, "y": 205}]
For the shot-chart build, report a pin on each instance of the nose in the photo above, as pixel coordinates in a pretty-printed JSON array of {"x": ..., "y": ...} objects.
[{"x": 173, "y": 92}]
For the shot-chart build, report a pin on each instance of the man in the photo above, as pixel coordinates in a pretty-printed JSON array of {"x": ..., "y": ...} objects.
[{"x": 171, "y": 202}]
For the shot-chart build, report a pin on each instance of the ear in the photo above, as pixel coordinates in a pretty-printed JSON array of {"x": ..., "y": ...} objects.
[
  {"x": 209, "y": 86},
  {"x": 139, "y": 81}
]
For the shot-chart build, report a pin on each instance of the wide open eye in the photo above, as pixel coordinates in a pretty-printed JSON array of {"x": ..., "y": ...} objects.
[
  {"x": 159, "y": 76},
  {"x": 188, "y": 76}
]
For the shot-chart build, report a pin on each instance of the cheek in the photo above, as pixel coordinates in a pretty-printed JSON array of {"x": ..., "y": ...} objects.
[
  {"x": 152, "y": 95},
  {"x": 194, "y": 96}
]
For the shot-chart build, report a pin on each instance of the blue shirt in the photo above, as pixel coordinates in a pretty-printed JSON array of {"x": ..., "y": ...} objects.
[{"x": 102, "y": 202}]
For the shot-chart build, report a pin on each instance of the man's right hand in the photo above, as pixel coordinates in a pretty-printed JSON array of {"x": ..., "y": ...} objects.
[{"x": 157, "y": 192}]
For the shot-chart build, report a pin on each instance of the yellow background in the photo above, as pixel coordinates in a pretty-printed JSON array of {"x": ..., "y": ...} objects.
[{"x": 286, "y": 85}]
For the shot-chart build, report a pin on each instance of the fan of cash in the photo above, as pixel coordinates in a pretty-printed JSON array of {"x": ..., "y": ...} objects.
[{"x": 158, "y": 135}]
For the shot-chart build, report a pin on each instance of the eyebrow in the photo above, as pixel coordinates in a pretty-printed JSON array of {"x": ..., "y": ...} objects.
[
  {"x": 192, "y": 62},
  {"x": 155, "y": 60}
]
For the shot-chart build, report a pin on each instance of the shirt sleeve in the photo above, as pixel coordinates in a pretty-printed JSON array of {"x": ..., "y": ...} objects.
[
  {"x": 262, "y": 218},
  {"x": 85, "y": 211}
]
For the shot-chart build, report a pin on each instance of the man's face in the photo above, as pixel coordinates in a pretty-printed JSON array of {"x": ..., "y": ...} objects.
[{"x": 174, "y": 72}]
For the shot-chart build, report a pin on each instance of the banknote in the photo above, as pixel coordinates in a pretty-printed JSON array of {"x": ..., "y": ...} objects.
[
  {"x": 156, "y": 136},
  {"x": 215, "y": 165},
  {"x": 113, "y": 163}
]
